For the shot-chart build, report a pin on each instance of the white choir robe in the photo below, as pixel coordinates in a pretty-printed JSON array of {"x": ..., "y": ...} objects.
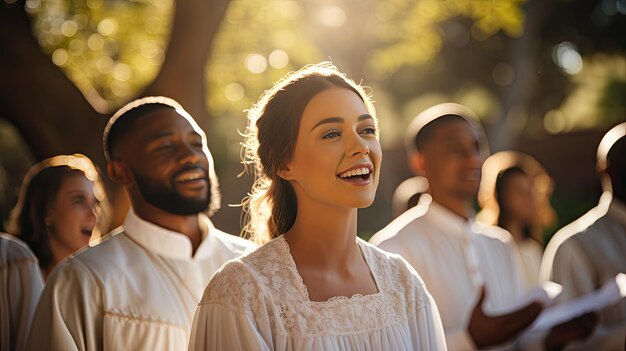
[
  {"x": 135, "y": 290},
  {"x": 455, "y": 257},
  {"x": 259, "y": 302},
  {"x": 20, "y": 286},
  {"x": 585, "y": 254},
  {"x": 531, "y": 253}
]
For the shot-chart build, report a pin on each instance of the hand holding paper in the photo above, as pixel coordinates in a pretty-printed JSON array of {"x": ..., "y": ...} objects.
[{"x": 610, "y": 293}]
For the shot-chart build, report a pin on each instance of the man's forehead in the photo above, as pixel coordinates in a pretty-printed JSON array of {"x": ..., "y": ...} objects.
[
  {"x": 165, "y": 120},
  {"x": 453, "y": 130}
]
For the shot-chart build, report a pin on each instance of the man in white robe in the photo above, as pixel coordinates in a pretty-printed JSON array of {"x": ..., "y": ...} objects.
[
  {"x": 454, "y": 255},
  {"x": 588, "y": 252},
  {"x": 20, "y": 286},
  {"x": 139, "y": 287}
]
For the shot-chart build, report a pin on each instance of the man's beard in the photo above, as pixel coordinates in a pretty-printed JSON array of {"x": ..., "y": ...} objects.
[{"x": 168, "y": 199}]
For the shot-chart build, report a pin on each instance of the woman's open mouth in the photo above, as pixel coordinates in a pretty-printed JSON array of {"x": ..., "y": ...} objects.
[{"x": 357, "y": 176}]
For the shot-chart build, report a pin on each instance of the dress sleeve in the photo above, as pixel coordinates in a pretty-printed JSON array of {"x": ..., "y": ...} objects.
[
  {"x": 233, "y": 314},
  {"x": 437, "y": 334},
  {"x": 69, "y": 314},
  {"x": 459, "y": 339},
  {"x": 217, "y": 327},
  {"x": 23, "y": 287}
]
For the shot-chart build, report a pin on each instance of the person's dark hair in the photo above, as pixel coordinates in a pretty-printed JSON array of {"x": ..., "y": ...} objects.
[
  {"x": 426, "y": 133},
  {"x": 273, "y": 124},
  {"x": 125, "y": 123},
  {"x": 30, "y": 223},
  {"x": 422, "y": 127},
  {"x": 616, "y": 163},
  {"x": 38, "y": 192},
  {"x": 504, "y": 214}
]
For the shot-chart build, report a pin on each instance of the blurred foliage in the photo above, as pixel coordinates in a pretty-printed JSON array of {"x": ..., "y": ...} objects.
[
  {"x": 415, "y": 53},
  {"x": 613, "y": 101},
  {"x": 114, "y": 48},
  {"x": 108, "y": 48},
  {"x": 597, "y": 97},
  {"x": 410, "y": 32},
  {"x": 259, "y": 42}
]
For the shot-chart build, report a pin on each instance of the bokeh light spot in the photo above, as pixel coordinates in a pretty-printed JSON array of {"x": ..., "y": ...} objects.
[
  {"x": 331, "y": 16},
  {"x": 234, "y": 92},
  {"x": 60, "y": 57},
  {"x": 256, "y": 63},
  {"x": 278, "y": 59}
]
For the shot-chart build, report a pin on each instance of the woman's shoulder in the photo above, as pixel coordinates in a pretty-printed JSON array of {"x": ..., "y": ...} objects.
[
  {"x": 232, "y": 285},
  {"x": 241, "y": 279},
  {"x": 392, "y": 268}
]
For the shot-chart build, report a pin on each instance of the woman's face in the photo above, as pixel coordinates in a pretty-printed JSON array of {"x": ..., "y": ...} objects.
[
  {"x": 72, "y": 217},
  {"x": 518, "y": 197},
  {"x": 337, "y": 155}
]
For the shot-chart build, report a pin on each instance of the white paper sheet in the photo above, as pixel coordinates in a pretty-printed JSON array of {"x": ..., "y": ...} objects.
[
  {"x": 610, "y": 293},
  {"x": 544, "y": 294}
]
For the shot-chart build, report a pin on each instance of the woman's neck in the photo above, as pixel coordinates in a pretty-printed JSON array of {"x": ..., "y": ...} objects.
[{"x": 324, "y": 231}]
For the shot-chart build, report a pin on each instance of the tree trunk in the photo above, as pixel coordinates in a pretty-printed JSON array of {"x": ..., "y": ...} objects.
[{"x": 52, "y": 114}]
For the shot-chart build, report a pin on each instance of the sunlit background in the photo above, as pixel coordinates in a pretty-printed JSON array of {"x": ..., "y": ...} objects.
[{"x": 545, "y": 77}]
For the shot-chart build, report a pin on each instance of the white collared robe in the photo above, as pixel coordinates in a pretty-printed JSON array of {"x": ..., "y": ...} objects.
[
  {"x": 455, "y": 257},
  {"x": 585, "y": 254},
  {"x": 20, "y": 286},
  {"x": 136, "y": 290}
]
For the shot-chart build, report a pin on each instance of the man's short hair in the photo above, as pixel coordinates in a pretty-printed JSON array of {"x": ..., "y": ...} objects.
[
  {"x": 125, "y": 119},
  {"x": 423, "y": 125}
]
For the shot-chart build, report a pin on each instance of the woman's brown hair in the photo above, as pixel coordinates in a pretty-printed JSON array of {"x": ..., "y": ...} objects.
[
  {"x": 269, "y": 141},
  {"x": 37, "y": 194}
]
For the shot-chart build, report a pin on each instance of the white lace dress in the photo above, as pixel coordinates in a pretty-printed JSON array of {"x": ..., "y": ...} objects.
[{"x": 259, "y": 302}]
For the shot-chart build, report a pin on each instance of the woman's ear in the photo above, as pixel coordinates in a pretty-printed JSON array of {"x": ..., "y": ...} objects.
[
  {"x": 49, "y": 218},
  {"x": 120, "y": 173},
  {"x": 285, "y": 172}
]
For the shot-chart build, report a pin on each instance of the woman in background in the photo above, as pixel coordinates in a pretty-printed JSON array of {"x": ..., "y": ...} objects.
[
  {"x": 514, "y": 195},
  {"x": 313, "y": 142},
  {"x": 58, "y": 208}
]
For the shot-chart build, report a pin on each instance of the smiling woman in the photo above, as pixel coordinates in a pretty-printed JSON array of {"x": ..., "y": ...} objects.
[
  {"x": 58, "y": 208},
  {"x": 313, "y": 142}
]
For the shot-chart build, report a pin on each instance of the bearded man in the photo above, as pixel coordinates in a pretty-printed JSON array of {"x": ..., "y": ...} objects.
[{"x": 138, "y": 288}]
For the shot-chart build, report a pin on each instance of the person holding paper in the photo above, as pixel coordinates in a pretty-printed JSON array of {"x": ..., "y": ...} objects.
[
  {"x": 592, "y": 250},
  {"x": 472, "y": 271}
]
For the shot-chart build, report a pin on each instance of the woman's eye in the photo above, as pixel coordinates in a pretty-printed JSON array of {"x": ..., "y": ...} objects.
[
  {"x": 369, "y": 130},
  {"x": 331, "y": 134}
]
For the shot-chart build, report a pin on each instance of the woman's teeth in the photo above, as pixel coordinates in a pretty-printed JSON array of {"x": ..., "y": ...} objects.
[{"x": 355, "y": 172}]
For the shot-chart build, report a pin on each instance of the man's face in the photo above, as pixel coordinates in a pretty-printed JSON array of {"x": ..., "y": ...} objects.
[
  {"x": 451, "y": 160},
  {"x": 168, "y": 159}
]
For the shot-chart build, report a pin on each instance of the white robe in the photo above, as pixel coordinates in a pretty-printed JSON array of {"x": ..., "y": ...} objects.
[
  {"x": 136, "y": 290},
  {"x": 584, "y": 255},
  {"x": 530, "y": 254},
  {"x": 20, "y": 286},
  {"x": 455, "y": 258},
  {"x": 259, "y": 302}
]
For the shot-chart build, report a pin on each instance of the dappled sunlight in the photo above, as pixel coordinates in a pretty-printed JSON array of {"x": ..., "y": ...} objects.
[
  {"x": 419, "y": 39},
  {"x": 109, "y": 48},
  {"x": 583, "y": 107}
]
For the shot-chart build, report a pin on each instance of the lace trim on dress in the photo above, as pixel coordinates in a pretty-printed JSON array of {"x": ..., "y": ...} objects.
[
  {"x": 266, "y": 282},
  {"x": 305, "y": 290}
]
